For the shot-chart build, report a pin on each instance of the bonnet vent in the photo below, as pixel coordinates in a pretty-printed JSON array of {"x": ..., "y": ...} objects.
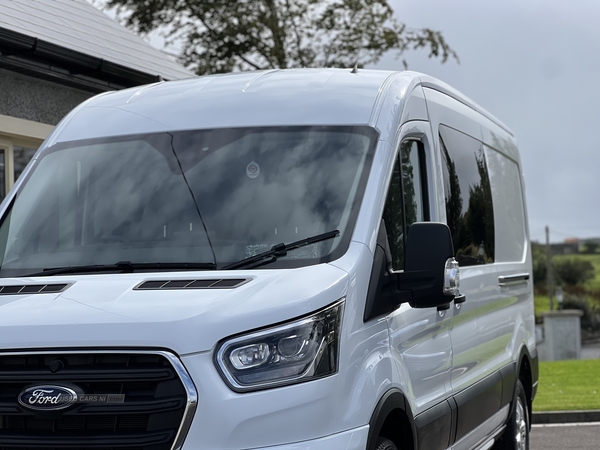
[
  {"x": 33, "y": 289},
  {"x": 215, "y": 283}
]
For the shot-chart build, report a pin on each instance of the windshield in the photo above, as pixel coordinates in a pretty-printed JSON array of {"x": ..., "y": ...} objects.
[{"x": 205, "y": 196}]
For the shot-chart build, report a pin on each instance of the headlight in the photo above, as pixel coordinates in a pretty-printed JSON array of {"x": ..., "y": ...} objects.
[{"x": 302, "y": 350}]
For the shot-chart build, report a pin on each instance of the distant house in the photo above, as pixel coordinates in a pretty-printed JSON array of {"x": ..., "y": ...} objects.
[
  {"x": 569, "y": 247},
  {"x": 54, "y": 54}
]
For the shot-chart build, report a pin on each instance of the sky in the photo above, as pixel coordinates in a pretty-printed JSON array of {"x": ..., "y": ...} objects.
[{"x": 535, "y": 65}]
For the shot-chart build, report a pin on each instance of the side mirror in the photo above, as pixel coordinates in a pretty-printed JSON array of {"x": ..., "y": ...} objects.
[
  {"x": 431, "y": 273},
  {"x": 430, "y": 278}
]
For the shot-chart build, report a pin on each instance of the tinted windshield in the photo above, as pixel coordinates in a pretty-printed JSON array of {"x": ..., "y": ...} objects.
[{"x": 193, "y": 196}]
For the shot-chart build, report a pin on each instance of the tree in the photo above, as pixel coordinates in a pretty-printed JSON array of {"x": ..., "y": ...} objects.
[
  {"x": 573, "y": 271},
  {"x": 591, "y": 247},
  {"x": 539, "y": 264},
  {"x": 225, "y": 35}
]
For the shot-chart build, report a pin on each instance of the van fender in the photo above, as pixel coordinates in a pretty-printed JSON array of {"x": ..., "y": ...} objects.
[
  {"x": 528, "y": 373},
  {"x": 392, "y": 400},
  {"x": 525, "y": 368}
]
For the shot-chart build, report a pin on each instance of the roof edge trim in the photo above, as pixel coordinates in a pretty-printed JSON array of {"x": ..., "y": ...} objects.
[
  {"x": 465, "y": 101},
  {"x": 15, "y": 44}
]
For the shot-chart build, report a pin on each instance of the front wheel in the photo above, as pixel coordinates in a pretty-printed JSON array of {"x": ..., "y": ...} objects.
[
  {"x": 385, "y": 444},
  {"x": 516, "y": 435}
]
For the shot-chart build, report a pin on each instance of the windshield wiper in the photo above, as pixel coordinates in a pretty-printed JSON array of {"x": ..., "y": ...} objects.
[
  {"x": 278, "y": 250},
  {"x": 122, "y": 267}
]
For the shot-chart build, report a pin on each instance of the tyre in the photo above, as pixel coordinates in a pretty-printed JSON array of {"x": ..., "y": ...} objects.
[
  {"x": 385, "y": 444},
  {"x": 516, "y": 434}
]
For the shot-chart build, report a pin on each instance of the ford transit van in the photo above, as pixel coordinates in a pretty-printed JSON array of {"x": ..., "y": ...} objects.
[{"x": 285, "y": 260}]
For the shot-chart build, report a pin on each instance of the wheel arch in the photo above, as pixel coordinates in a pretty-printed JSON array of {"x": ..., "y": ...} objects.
[
  {"x": 393, "y": 419},
  {"x": 527, "y": 373}
]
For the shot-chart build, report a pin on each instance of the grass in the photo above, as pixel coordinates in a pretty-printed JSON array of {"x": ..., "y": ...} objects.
[
  {"x": 568, "y": 386},
  {"x": 541, "y": 301},
  {"x": 574, "y": 384}
]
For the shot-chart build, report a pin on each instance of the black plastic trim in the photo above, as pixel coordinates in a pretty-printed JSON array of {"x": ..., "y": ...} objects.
[
  {"x": 509, "y": 381},
  {"x": 530, "y": 386},
  {"x": 131, "y": 424},
  {"x": 26, "y": 289},
  {"x": 423, "y": 273},
  {"x": 434, "y": 426},
  {"x": 383, "y": 295},
  {"x": 426, "y": 428},
  {"x": 477, "y": 403},
  {"x": 535, "y": 372},
  {"x": 213, "y": 283},
  {"x": 391, "y": 400},
  {"x": 454, "y": 410}
]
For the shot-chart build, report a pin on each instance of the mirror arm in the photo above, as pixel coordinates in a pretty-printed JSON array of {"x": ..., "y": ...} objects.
[{"x": 383, "y": 295}]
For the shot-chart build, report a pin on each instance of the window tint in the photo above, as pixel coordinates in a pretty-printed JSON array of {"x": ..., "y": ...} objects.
[
  {"x": 411, "y": 154},
  {"x": 508, "y": 206},
  {"x": 406, "y": 198},
  {"x": 394, "y": 219},
  {"x": 469, "y": 208}
]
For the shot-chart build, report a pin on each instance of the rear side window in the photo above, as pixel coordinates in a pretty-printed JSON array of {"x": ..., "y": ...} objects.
[
  {"x": 406, "y": 201},
  {"x": 509, "y": 208},
  {"x": 468, "y": 195}
]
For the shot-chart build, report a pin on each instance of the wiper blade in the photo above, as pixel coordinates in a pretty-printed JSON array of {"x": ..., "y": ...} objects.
[
  {"x": 277, "y": 250},
  {"x": 122, "y": 267}
]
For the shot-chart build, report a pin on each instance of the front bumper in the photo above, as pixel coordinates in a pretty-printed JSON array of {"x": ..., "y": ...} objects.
[
  {"x": 302, "y": 413},
  {"x": 355, "y": 439}
]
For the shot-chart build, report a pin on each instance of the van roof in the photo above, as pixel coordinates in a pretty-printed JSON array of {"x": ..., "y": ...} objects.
[{"x": 264, "y": 98}]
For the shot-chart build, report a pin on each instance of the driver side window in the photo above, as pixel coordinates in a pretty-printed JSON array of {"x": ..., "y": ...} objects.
[{"x": 406, "y": 200}]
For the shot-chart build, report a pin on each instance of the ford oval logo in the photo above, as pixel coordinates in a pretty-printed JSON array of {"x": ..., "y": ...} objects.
[{"x": 47, "y": 398}]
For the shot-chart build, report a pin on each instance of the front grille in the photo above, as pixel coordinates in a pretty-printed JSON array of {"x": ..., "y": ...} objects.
[{"x": 149, "y": 406}]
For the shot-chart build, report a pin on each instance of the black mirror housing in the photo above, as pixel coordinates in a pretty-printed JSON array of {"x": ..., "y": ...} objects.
[
  {"x": 383, "y": 295},
  {"x": 428, "y": 247},
  {"x": 421, "y": 284}
]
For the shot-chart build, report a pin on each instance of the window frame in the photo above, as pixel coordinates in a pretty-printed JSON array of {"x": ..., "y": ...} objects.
[
  {"x": 422, "y": 175},
  {"x": 424, "y": 186},
  {"x": 6, "y": 146}
]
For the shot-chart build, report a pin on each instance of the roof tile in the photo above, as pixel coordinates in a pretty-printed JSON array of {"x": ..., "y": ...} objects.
[{"x": 78, "y": 25}]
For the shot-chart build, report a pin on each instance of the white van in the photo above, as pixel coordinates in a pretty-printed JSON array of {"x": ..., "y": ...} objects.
[{"x": 284, "y": 260}]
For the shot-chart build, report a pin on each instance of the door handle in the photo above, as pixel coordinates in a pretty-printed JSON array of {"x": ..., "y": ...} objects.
[{"x": 512, "y": 280}]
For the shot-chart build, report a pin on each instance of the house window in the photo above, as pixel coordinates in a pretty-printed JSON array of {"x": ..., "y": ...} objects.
[
  {"x": 5, "y": 151},
  {"x": 13, "y": 160},
  {"x": 19, "y": 140},
  {"x": 2, "y": 174},
  {"x": 21, "y": 157}
]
